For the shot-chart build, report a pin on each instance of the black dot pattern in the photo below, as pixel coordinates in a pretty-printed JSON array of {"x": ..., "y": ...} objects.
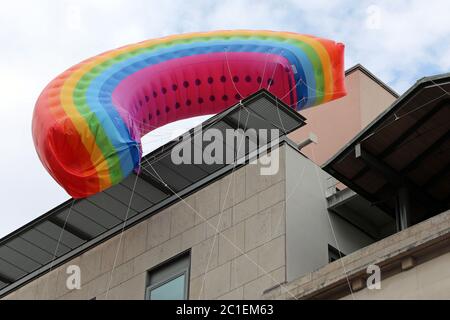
[{"x": 246, "y": 78}]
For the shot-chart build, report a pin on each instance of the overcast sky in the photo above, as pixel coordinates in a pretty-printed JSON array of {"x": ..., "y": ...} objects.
[{"x": 399, "y": 41}]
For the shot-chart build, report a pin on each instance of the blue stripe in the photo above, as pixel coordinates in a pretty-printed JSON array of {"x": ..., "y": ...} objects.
[
  {"x": 100, "y": 90},
  {"x": 294, "y": 54}
]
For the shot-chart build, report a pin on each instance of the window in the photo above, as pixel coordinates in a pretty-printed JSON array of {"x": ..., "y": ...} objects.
[
  {"x": 334, "y": 254},
  {"x": 169, "y": 281}
]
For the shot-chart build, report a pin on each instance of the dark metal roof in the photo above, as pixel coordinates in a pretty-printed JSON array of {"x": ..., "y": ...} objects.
[
  {"x": 408, "y": 145},
  {"x": 77, "y": 225}
]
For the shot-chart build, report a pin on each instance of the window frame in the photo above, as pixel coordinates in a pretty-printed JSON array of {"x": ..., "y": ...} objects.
[
  {"x": 172, "y": 261},
  {"x": 332, "y": 251}
]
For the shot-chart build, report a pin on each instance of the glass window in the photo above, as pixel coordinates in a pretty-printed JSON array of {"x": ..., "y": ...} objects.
[
  {"x": 169, "y": 281},
  {"x": 334, "y": 254},
  {"x": 171, "y": 290}
]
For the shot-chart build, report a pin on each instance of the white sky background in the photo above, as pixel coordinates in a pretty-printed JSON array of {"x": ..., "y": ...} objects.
[{"x": 399, "y": 41}]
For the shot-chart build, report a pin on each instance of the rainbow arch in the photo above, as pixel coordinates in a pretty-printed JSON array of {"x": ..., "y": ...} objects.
[{"x": 88, "y": 121}]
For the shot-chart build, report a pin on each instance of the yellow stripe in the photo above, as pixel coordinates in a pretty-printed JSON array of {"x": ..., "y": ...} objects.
[{"x": 82, "y": 127}]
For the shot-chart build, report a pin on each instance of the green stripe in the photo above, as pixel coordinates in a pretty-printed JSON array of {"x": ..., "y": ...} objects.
[{"x": 97, "y": 130}]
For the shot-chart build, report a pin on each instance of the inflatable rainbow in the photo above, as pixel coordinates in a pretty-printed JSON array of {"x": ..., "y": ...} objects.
[{"x": 88, "y": 122}]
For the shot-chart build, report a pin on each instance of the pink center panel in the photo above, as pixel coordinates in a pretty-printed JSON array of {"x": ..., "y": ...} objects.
[{"x": 200, "y": 85}]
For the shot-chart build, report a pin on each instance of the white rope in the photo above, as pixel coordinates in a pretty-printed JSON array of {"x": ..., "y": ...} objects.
[
  {"x": 222, "y": 209},
  {"x": 121, "y": 235}
]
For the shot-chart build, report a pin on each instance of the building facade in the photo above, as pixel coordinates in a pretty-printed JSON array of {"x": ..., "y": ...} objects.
[
  {"x": 241, "y": 234},
  {"x": 235, "y": 233}
]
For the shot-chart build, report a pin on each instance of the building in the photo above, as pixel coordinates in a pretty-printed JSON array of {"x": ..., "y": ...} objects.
[{"x": 374, "y": 190}]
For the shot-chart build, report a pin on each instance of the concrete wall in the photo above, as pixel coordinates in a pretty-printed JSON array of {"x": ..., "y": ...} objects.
[
  {"x": 246, "y": 258},
  {"x": 273, "y": 229},
  {"x": 414, "y": 263},
  {"x": 429, "y": 280},
  {"x": 374, "y": 99},
  {"x": 309, "y": 226}
]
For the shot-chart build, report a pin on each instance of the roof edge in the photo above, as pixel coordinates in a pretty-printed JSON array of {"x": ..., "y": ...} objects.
[
  {"x": 422, "y": 82},
  {"x": 377, "y": 80}
]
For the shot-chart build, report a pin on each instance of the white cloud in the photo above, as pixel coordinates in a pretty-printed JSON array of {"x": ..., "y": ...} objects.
[{"x": 42, "y": 38}]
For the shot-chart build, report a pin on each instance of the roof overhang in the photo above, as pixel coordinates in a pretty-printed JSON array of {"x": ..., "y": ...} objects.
[{"x": 407, "y": 146}]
